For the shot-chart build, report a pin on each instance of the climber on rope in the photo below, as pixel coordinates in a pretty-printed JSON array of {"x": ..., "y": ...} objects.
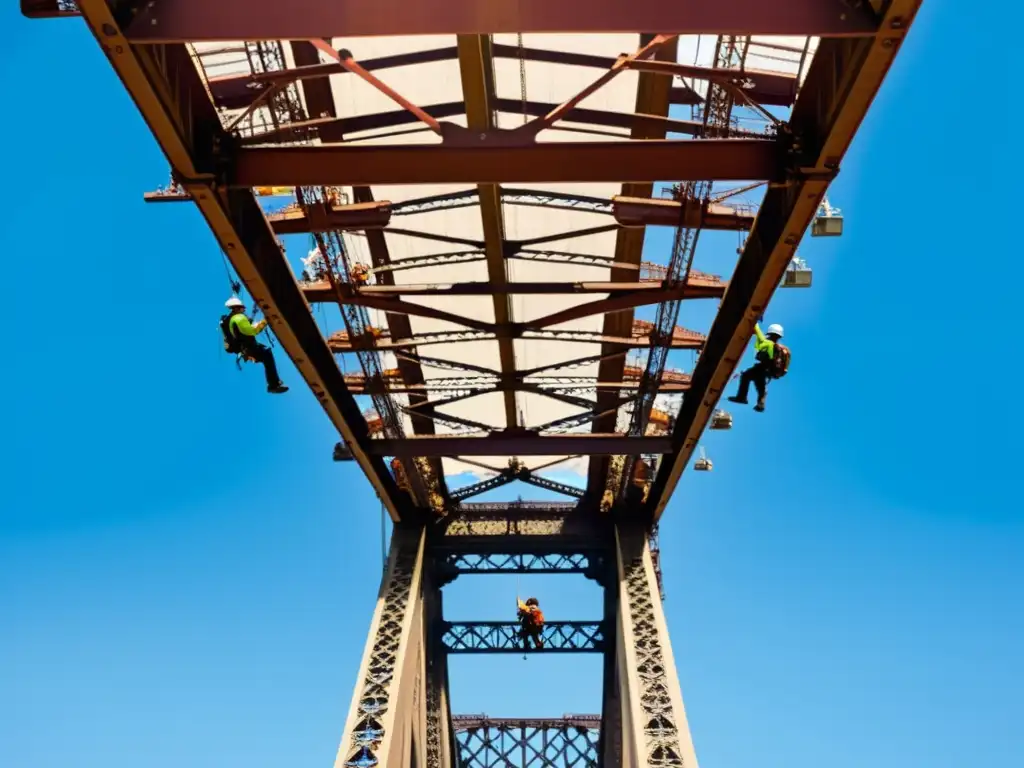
[
  {"x": 772, "y": 363},
  {"x": 531, "y": 622},
  {"x": 240, "y": 339}
]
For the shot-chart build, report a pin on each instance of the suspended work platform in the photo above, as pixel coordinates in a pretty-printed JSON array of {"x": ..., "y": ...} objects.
[{"x": 441, "y": 208}]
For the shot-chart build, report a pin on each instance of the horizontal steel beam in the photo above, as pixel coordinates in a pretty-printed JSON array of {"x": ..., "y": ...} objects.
[
  {"x": 339, "y": 343},
  {"x": 644, "y": 212},
  {"x": 199, "y": 20},
  {"x": 503, "y": 637},
  {"x": 698, "y": 287},
  {"x": 519, "y": 563},
  {"x": 471, "y": 722},
  {"x": 326, "y": 127},
  {"x": 521, "y": 444},
  {"x": 609, "y": 161}
]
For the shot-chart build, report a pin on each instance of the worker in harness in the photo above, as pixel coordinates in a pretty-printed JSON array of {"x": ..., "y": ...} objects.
[
  {"x": 772, "y": 363},
  {"x": 240, "y": 339},
  {"x": 531, "y": 622}
]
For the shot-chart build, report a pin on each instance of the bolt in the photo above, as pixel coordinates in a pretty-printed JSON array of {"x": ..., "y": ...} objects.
[
  {"x": 887, "y": 43},
  {"x": 896, "y": 23},
  {"x": 108, "y": 30}
]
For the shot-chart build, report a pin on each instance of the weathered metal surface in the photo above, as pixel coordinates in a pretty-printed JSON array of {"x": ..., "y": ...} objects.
[{"x": 184, "y": 20}]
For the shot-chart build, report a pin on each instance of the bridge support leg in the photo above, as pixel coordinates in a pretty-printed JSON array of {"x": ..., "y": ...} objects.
[
  {"x": 440, "y": 734},
  {"x": 387, "y": 721},
  {"x": 654, "y": 730}
]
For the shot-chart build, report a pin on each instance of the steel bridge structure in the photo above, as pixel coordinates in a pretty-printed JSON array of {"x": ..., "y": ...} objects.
[{"x": 441, "y": 209}]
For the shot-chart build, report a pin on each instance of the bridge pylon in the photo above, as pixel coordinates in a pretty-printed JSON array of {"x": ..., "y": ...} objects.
[{"x": 401, "y": 711}]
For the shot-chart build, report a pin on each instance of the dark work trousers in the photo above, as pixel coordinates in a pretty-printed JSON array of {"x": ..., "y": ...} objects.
[
  {"x": 758, "y": 375},
  {"x": 261, "y": 354},
  {"x": 531, "y": 631}
]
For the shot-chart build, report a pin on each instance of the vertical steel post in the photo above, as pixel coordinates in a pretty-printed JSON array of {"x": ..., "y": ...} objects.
[
  {"x": 654, "y": 727},
  {"x": 380, "y": 729}
]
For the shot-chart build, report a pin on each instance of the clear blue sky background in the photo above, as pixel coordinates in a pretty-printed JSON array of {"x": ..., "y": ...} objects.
[{"x": 186, "y": 578}]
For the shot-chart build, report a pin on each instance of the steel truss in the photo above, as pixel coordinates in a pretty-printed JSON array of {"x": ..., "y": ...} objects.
[
  {"x": 504, "y": 637},
  {"x": 568, "y": 742},
  {"x": 400, "y": 712},
  {"x": 554, "y": 563}
]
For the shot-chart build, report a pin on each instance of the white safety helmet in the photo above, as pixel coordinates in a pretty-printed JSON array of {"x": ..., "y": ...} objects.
[
  {"x": 776, "y": 329},
  {"x": 234, "y": 302}
]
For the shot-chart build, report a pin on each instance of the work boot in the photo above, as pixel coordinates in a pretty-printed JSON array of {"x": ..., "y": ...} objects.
[
  {"x": 760, "y": 405},
  {"x": 277, "y": 389},
  {"x": 737, "y": 399}
]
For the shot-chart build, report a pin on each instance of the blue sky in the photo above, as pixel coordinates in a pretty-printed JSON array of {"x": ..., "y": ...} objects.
[{"x": 186, "y": 578}]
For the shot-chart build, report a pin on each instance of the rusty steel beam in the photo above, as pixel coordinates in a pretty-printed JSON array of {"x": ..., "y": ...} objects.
[
  {"x": 644, "y": 212},
  {"x": 202, "y": 20},
  {"x": 841, "y": 84},
  {"x": 360, "y": 387},
  {"x": 654, "y": 91},
  {"x": 323, "y": 127},
  {"x": 476, "y": 70},
  {"x": 696, "y": 288},
  {"x": 339, "y": 341},
  {"x": 521, "y": 443},
  {"x": 166, "y": 88},
  {"x": 325, "y": 218},
  {"x": 638, "y": 161}
]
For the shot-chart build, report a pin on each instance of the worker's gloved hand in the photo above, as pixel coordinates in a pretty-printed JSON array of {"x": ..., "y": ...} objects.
[{"x": 261, "y": 325}]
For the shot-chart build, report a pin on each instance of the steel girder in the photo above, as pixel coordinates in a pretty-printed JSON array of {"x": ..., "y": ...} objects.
[
  {"x": 551, "y": 563},
  {"x": 520, "y": 444},
  {"x": 339, "y": 342},
  {"x": 842, "y": 81},
  {"x": 195, "y": 20},
  {"x": 627, "y": 211},
  {"x": 488, "y": 637},
  {"x": 503, "y": 161},
  {"x": 567, "y": 742}
]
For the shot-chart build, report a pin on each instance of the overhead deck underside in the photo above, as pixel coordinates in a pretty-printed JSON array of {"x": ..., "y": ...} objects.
[{"x": 510, "y": 227}]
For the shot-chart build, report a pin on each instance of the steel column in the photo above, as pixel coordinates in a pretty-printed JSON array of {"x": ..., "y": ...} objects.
[
  {"x": 379, "y": 718},
  {"x": 654, "y": 726}
]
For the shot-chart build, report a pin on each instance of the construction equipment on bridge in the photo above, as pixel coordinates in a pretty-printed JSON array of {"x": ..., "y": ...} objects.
[
  {"x": 703, "y": 464},
  {"x": 244, "y": 120},
  {"x": 828, "y": 222},
  {"x": 798, "y": 274},
  {"x": 721, "y": 419}
]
